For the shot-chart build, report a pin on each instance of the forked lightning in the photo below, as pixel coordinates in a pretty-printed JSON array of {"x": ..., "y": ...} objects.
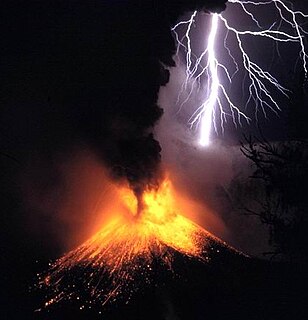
[{"x": 262, "y": 86}]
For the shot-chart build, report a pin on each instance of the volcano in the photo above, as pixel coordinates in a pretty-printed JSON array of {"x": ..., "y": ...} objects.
[
  {"x": 156, "y": 263},
  {"x": 131, "y": 251}
]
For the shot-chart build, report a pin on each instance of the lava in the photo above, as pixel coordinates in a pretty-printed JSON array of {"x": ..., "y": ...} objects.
[{"x": 128, "y": 246}]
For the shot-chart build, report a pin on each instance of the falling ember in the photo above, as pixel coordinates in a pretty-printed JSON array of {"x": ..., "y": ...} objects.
[{"x": 128, "y": 248}]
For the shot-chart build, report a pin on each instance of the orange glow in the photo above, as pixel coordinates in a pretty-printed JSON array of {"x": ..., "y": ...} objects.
[
  {"x": 126, "y": 236},
  {"x": 127, "y": 243}
]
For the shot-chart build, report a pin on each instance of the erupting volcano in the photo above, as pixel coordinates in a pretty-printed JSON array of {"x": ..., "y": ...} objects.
[{"x": 124, "y": 254}]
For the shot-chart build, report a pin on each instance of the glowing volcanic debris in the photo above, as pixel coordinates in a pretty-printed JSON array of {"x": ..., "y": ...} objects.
[
  {"x": 128, "y": 248},
  {"x": 259, "y": 82}
]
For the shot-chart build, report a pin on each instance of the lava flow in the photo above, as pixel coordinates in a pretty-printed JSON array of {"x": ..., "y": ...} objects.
[{"x": 127, "y": 249}]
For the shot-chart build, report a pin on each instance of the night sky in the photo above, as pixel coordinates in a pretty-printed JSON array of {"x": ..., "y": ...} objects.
[{"x": 80, "y": 85}]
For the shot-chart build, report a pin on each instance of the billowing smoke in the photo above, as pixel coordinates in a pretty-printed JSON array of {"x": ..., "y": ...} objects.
[
  {"x": 100, "y": 66},
  {"x": 120, "y": 79},
  {"x": 102, "y": 69}
]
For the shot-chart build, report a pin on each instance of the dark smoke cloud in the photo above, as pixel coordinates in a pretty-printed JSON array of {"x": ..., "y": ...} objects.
[{"x": 91, "y": 71}]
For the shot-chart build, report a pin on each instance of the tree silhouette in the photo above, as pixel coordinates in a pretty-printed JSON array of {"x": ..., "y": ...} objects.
[{"x": 282, "y": 170}]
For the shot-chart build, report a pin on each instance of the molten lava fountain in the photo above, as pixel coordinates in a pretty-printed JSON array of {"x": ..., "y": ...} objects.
[{"x": 127, "y": 248}]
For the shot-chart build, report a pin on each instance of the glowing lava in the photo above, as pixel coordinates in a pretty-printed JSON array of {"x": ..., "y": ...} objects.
[{"x": 128, "y": 248}]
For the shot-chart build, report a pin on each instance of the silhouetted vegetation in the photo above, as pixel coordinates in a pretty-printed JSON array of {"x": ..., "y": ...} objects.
[{"x": 282, "y": 171}]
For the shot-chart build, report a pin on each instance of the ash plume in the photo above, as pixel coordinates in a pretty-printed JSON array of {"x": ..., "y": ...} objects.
[
  {"x": 91, "y": 72},
  {"x": 123, "y": 123}
]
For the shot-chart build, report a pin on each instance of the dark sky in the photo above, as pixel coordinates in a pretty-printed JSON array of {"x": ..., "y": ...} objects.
[{"x": 75, "y": 74}]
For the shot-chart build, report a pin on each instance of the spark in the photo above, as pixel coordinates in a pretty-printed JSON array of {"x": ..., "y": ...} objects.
[
  {"x": 123, "y": 255},
  {"x": 263, "y": 88}
]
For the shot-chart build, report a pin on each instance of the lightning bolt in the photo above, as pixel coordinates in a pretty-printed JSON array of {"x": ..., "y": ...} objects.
[
  {"x": 209, "y": 104},
  {"x": 261, "y": 85}
]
